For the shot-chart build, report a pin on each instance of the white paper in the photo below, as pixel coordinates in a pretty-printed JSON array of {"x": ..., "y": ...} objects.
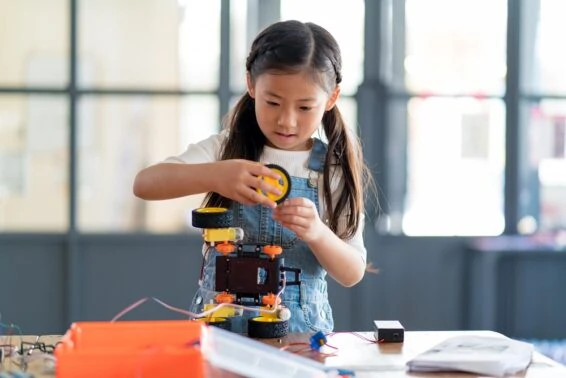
[{"x": 494, "y": 356}]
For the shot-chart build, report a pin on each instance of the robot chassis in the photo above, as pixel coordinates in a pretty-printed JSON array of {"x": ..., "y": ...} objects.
[{"x": 247, "y": 274}]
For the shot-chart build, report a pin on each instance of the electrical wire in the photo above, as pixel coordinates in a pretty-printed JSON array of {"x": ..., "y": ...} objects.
[
  {"x": 6, "y": 344},
  {"x": 373, "y": 341},
  {"x": 198, "y": 315}
]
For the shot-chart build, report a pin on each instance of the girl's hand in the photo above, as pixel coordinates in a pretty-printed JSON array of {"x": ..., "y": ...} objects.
[
  {"x": 240, "y": 179},
  {"x": 300, "y": 216}
]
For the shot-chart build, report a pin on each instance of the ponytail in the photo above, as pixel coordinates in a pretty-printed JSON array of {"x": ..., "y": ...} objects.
[{"x": 345, "y": 153}]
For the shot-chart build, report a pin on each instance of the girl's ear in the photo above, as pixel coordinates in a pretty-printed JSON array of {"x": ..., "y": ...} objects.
[
  {"x": 333, "y": 98},
  {"x": 250, "y": 85}
]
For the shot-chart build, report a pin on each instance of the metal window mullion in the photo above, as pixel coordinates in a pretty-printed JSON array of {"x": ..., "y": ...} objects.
[
  {"x": 513, "y": 123},
  {"x": 396, "y": 144},
  {"x": 371, "y": 99},
  {"x": 224, "y": 92},
  {"x": 372, "y": 121},
  {"x": 530, "y": 204},
  {"x": 259, "y": 14},
  {"x": 72, "y": 268},
  {"x": 268, "y": 12}
]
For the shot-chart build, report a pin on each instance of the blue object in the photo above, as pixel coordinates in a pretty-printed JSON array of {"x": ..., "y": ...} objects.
[
  {"x": 317, "y": 340},
  {"x": 348, "y": 373}
]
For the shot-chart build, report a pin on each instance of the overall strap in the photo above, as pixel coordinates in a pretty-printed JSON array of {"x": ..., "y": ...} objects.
[{"x": 318, "y": 155}]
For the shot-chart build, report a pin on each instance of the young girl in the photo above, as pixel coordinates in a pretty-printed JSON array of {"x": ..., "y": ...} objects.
[{"x": 293, "y": 77}]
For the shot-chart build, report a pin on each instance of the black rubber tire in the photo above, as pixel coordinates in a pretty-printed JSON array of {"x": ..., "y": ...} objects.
[
  {"x": 223, "y": 323},
  {"x": 258, "y": 329},
  {"x": 216, "y": 219}
]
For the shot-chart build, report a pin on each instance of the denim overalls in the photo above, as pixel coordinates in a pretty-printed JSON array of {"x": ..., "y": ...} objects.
[{"x": 310, "y": 309}]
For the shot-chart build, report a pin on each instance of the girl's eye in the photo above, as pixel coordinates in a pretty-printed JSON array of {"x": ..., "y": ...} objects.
[
  {"x": 306, "y": 108},
  {"x": 271, "y": 103}
]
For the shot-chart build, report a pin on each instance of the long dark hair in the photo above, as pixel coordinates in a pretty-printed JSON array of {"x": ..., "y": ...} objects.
[{"x": 293, "y": 46}]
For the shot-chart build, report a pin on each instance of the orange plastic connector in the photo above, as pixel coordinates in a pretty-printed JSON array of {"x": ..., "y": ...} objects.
[
  {"x": 224, "y": 298},
  {"x": 164, "y": 348},
  {"x": 272, "y": 250},
  {"x": 225, "y": 248},
  {"x": 271, "y": 300}
]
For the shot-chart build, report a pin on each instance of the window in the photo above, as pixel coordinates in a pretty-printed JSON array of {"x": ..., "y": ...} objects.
[
  {"x": 39, "y": 55},
  {"x": 121, "y": 135},
  {"x": 34, "y": 163},
  {"x": 154, "y": 76},
  {"x": 544, "y": 94},
  {"x": 544, "y": 63},
  {"x": 150, "y": 46},
  {"x": 546, "y": 167},
  {"x": 446, "y": 107},
  {"x": 455, "y": 47}
]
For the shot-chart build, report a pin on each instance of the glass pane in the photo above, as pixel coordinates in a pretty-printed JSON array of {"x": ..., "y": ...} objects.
[
  {"x": 456, "y": 152},
  {"x": 35, "y": 42},
  {"x": 121, "y": 135},
  {"x": 346, "y": 26},
  {"x": 34, "y": 163},
  {"x": 543, "y": 42},
  {"x": 149, "y": 43},
  {"x": 547, "y": 165},
  {"x": 239, "y": 44},
  {"x": 456, "y": 46},
  {"x": 349, "y": 110}
]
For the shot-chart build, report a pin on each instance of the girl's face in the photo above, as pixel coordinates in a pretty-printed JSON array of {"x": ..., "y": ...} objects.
[{"x": 289, "y": 108}]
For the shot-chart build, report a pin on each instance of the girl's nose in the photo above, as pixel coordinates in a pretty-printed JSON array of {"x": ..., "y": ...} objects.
[{"x": 287, "y": 118}]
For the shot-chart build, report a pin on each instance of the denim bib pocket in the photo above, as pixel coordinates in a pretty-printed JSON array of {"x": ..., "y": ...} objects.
[{"x": 318, "y": 316}]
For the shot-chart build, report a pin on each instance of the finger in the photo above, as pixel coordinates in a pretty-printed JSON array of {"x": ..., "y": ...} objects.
[
  {"x": 246, "y": 196},
  {"x": 297, "y": 229},
  {"x": 294, "y": 220},
  {"x": 290, "y": 207},
  {"x": 308, "y": 212},
  {"x": 267, "y": 188},
  {"x": 261, "y": 199},
  {"x": 267, "y": 180},
  {"x": 262, "y": 170},
  {"x": 297, "y": 201}
]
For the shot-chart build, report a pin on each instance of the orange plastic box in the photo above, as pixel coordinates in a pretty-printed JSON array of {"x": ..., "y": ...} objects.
[{"x": 164, "y": 348}]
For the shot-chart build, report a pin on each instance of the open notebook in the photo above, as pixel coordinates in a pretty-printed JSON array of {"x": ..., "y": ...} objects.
[{"x": 484, "y": 355}]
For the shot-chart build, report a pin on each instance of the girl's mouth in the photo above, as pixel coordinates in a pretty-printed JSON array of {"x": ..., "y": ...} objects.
[{"x": 284, "y": 135}]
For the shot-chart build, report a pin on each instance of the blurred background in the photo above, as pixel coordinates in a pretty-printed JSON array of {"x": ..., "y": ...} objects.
[{"x": 461, "y": 105}]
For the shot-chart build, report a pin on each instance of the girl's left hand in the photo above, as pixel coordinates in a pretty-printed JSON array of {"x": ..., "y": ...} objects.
[{"x": 300, "y": 216}]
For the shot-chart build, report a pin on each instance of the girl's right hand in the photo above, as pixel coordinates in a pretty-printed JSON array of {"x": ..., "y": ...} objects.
[{"x": 240, "y": 180}]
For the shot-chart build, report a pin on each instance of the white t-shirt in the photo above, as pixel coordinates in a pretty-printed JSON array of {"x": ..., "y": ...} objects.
[{"x": 295, "y": 162}]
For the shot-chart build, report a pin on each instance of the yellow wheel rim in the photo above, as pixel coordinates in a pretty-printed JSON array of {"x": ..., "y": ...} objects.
[
  {"x": 212, "y": 210},
  {"x": 265, "y": 319},
  {"x": 211, "y": 319},
  {"x": 282, "y": 184}
]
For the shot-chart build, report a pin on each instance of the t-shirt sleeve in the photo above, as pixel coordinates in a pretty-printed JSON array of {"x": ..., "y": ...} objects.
[
  {"x": 205, "y": 151},
  {"x": 357, "y": 241}
]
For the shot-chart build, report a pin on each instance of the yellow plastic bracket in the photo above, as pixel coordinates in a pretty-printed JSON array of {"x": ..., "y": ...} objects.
[
  {"x": 215, "y": 235},
  {"x": 222, "y": 312}
]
